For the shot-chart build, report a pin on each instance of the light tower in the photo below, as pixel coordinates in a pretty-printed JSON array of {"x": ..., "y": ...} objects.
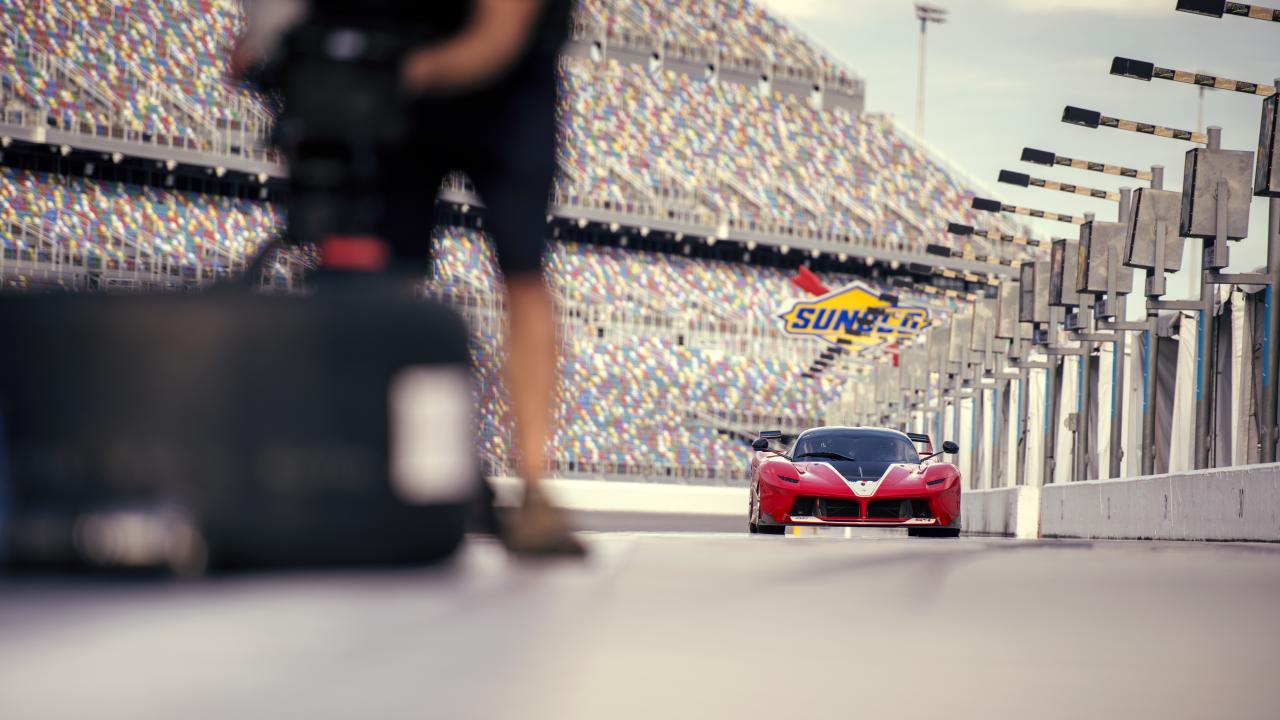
[{"x": 926, "y": 13}]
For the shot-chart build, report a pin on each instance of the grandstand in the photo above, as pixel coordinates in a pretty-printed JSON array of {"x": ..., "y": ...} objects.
[
  {"x": 707, "y": 149},
  {"x": 55, "y": 220}
]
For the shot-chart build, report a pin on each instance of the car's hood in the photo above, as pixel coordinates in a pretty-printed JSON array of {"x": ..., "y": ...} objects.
[
  {"x": 861, "y": 477},
  {"x": 859, "y": 470}
]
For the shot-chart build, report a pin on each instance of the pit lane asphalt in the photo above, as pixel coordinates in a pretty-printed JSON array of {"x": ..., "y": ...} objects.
[{"x": 671, "y": 625}]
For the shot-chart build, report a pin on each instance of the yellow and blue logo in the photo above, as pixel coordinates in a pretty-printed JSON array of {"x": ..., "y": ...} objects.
[{"x": 856, "y": 314}]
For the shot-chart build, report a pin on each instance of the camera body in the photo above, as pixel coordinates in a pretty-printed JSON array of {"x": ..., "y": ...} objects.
[{"x": 341, "y": 112}]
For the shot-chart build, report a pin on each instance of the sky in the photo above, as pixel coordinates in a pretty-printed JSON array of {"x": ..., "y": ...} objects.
[{"x": 1000, "y": 71}]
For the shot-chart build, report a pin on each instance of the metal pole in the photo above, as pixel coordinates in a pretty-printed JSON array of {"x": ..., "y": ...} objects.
[
  {"x": 1271, "y": 354},
  {"x": 955, "y": 413},
  {"x": 1084, "y": 440},
  {"x": 920, "y": 83},
  {"x": 1084, "y": 444},
  {"x": 940, "y": 420},
  {"x": 1152, "y": 342},
  {"x": 1204, "y": 328},
  {"x": 1212, "y": 328},
  {"x": 1270, "y": 431},
  {"x": 1116, "y": 455},
  {"x": 1204, "y": 382},
  {"x": 1051, "y": 402}
]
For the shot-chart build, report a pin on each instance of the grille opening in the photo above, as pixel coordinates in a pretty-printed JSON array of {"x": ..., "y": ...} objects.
[
  {"x": 803, "y": 507},
  {"x": 898, "y": 509},
  {"x": 837, "y": 508}
]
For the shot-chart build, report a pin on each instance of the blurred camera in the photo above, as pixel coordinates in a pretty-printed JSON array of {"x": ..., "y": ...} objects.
[{"x": 341, "y": 111}]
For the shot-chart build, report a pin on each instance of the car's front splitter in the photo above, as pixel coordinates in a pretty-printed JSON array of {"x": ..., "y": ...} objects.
[{"x": 909, "y": 522}]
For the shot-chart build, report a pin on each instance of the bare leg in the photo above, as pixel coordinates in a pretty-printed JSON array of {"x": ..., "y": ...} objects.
[
  {"x": 530, "y": 371},
  {"x": 538, "y": 528}
]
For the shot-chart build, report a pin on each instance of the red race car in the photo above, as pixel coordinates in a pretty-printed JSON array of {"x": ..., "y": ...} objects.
[{"x": 870, "y": 477}]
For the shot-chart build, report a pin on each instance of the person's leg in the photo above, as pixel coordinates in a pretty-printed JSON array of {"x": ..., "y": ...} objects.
[
  {"x": 514, "y": 180},
  {"x": 530, "y": 372},
  {"x": 512, "y": 166}
]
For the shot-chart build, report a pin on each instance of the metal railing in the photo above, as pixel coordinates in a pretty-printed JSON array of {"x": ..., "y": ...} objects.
[{"x": 829, "y": 78}]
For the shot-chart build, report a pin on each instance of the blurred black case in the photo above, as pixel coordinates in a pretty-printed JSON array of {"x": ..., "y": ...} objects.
[{"x": 265, "y": 419}]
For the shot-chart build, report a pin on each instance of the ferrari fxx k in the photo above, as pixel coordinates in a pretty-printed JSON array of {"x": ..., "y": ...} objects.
[{"x": 853, "y": 476}]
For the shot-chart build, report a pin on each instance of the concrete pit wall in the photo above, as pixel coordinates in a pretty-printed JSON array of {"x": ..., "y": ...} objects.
[
  {"x": 1011, "y": 512},
  {"x": 1221, "y": 504},
  {"x": 1241, "y": 503}
]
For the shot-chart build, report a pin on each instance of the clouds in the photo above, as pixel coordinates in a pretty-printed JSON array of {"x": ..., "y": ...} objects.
[
  {"x": 799, "y": 9},
  {"x": 863, "y": 12},
  {"x": 852, "y": 12},
  {"x": 1129, "y": 8}
]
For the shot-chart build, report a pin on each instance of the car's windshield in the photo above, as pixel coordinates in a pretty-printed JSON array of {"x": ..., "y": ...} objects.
[{"x": 854, "y": 445}]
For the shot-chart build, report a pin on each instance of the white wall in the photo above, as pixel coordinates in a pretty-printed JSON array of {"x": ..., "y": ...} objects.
[
  {"x": 615, "y": 496},
  {"x": 1223, "y": 504}
]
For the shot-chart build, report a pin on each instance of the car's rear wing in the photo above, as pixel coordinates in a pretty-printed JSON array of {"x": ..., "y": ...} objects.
[
  {"x": 776, "y": 437},
  {"x": 921, "y": 439}
]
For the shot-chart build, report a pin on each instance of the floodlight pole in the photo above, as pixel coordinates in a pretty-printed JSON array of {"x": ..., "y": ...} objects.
[
  {"x": 925, "y": 14},
  {"x": 924, "y": 23}
]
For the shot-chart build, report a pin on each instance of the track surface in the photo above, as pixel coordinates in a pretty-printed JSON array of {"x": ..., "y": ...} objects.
[{"x": 671, "y": 625}]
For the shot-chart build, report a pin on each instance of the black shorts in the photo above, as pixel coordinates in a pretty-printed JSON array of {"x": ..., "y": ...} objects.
[{"x": 505, "y": 141}]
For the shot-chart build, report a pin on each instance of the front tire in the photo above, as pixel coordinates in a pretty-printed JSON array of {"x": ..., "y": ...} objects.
[
  {"x": 752, "y": 528},
  {"x": 754, "y": 524}
]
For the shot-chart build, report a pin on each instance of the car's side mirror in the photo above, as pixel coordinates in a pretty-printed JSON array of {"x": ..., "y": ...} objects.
[
  {"x": 949, "y": 447},
  {"x": 760, "y": 445}
]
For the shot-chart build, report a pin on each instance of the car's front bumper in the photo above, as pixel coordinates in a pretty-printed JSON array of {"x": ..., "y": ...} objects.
[{"x": 803, "y": 504}]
